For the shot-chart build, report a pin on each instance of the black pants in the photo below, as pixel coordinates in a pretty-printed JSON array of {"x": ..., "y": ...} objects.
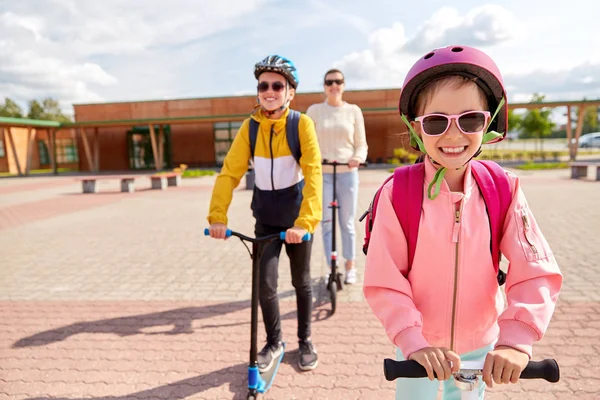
[{"x": 299, "y": 255}]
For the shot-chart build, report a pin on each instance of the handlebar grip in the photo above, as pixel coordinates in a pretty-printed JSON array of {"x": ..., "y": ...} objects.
[
  {"x": 305, "y": 238},
  {"x": 546, "y": 369},
  {"x": 393, "y": 369},
  {"x": 207, "y": 232}
]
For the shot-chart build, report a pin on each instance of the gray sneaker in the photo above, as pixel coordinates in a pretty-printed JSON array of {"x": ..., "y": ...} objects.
[
  {"x": 308, "y": 355},
  {"x": 268, "y": 354}
]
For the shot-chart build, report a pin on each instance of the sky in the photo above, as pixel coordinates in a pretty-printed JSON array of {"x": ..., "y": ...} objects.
[{"x": 85, "y": 51}]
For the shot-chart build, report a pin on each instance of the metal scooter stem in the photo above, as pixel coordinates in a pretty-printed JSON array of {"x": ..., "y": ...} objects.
[
  {"x": 257, "y": 251},
  {"x": 334, "y": 208}
]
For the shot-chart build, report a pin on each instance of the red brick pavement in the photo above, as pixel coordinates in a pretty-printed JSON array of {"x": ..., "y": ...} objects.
[
  {"x": 35, "y": 185},
  {"x": 71, "y": 200},
  {"x": 169, "y": 350},
  {"x": 22, "y": 213}
]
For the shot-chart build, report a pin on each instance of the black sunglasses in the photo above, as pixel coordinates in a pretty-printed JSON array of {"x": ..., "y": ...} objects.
[
  {"x": 330, "y": 82},
  {"x": 264, "y": 86}
]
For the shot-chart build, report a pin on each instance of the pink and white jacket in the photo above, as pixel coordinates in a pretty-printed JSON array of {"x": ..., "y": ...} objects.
[{"x": 450, "y": 297}]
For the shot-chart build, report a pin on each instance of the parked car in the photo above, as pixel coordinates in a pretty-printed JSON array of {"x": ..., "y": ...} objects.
[{"x": 589, "y": 140}]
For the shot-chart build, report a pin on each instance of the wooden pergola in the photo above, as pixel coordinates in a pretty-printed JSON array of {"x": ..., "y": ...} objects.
[
  {"x": 32, "y": 126},
  {"x": 92, "y": 152}
]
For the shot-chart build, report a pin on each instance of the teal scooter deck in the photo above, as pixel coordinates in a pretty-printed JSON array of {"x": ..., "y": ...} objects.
[{"x": 262, "y": 381}]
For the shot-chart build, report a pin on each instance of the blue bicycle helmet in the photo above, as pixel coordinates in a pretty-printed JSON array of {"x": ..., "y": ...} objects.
[{"x": 279, "y": 65}]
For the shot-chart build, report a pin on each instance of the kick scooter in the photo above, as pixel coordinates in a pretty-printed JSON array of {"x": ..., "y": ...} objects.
[
  {"x": 258, "y": 382},
  {"x": 334, "y": 281}
]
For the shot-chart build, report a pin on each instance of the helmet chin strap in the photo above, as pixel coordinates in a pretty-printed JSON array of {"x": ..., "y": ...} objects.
[{"x": 416, "y": 141}]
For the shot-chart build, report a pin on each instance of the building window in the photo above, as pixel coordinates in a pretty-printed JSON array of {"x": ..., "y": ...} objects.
[
  {"x": 224, "y": 134},
  {"x": 43, "y": 152},
  {"x": 2, "y": 151},
  {"x": 66, "y": 151}
]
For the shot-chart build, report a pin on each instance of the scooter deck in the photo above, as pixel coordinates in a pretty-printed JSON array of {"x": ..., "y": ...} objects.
[{"x": 268, "y": 376}]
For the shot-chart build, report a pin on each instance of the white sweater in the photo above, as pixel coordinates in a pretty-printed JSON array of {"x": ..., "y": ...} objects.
[{"x": 341, "y": 133}]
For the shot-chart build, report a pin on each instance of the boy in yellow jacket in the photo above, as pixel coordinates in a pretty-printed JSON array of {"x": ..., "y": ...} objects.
[{"x": 287, "y": 197}]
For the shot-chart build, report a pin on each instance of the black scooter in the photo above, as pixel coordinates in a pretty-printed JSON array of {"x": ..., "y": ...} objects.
[{"x": 334, "y": 283}]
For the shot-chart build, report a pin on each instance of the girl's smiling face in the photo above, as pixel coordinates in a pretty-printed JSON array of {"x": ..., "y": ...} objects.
[{"x": 452, "y": 96}]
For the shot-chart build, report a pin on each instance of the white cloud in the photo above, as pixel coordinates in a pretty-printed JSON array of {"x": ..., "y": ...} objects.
[
  {"x": 561, "y": 84},
  {"x": 482, "y": 26},
  {"x": 57, "y": 48},
  {"x": 391, "y": 53},
  {"x": 524, "y": 61},
  {"x": 115, "y": 50},
  {"x": 322, "y": 12}
]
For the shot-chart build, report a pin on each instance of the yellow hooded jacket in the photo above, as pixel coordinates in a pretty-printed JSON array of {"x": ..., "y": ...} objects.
[{"x": 285, "y": 194}]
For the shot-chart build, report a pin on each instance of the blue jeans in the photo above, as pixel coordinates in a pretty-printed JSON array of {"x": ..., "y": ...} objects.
[
  {"x": 347, "y": 197},
  {"x": 424, "y": 389}
]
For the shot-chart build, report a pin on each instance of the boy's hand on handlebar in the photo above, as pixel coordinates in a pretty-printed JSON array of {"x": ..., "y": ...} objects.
[
  {"x": 353, "y": 163},
  {"x": 218, "y": 230},
  {"x": 295, "y": 234},
  {"x": 438, "y": 360},
  {"x": 503, "y": 365}
]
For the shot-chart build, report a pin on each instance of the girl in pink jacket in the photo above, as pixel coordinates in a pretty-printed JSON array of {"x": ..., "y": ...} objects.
[{"x": 448, "y": 307}]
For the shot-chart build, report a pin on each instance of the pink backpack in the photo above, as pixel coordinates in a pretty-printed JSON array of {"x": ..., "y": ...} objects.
[{"x": 407, "y": 200}]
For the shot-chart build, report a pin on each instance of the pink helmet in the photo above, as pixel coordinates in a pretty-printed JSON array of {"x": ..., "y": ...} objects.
[{"x": 457, "y": 60}]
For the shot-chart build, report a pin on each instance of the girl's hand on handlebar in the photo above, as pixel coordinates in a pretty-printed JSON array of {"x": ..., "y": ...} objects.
[
  {"x": 438, "y": 360},
  {"x": 295, "y": 234},
  {"x": 353, "y": 163},
  {"x": 218, "y": 230},
  {"x": 503, "y": 365}
]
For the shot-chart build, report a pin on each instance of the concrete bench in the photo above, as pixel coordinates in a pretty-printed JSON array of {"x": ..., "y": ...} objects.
[
  {"x": 88, "y": 183},
  {"x": 161, "y": 181},
  {"x": 580, "y": 169}
]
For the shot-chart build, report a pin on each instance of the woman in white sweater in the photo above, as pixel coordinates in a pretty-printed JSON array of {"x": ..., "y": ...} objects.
[{"x": 341, "y": 133}]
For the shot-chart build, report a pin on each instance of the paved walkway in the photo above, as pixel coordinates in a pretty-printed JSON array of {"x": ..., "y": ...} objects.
[{"x": 120, "y": 296}]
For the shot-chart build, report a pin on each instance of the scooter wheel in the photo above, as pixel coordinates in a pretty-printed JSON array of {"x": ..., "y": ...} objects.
[
  {"x": 333, "y": 295},
  {"x": 339, "y": 280},
  {"x": 251, "y": 397}
]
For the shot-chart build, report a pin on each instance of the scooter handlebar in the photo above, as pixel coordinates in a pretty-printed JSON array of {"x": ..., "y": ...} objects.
[
  {"x": 229, "y": 233},
  {"x": 546, "y": 369},
  {"x": 327, "y": 162}
]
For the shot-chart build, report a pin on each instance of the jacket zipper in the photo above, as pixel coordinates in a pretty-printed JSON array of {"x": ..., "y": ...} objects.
[
  {"x": 272, "y": 159},
  {"x": 525, "y": 230},
  {"x": 455, "y": 239}
]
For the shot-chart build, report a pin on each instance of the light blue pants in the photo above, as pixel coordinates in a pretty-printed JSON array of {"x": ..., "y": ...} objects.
[
  {"x": 424, "y": 389},
  {"x": 347, "y": 196}
]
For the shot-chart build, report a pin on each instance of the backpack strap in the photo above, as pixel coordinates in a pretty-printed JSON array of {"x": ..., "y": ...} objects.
[
  {"x": 253, "y": 133},
  {"x": 495, "y": 189},
  {"x": 407, "y": 200},
  {"x": 292, "y": 133}
]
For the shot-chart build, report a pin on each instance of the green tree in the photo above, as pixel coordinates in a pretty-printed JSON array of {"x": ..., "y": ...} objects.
[
  {"x": 536, "y": 123},
  {"x": 36, "y": 111},
  {"x": 514, "y": 121},
  {"x": 48, "y": 109},
  {"x": 10, "y": 109},
  {"x": 590, "y": 120}
]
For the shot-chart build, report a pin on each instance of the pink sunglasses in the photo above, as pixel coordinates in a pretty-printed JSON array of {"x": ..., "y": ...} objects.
[{"x": 469, "y": 122}]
